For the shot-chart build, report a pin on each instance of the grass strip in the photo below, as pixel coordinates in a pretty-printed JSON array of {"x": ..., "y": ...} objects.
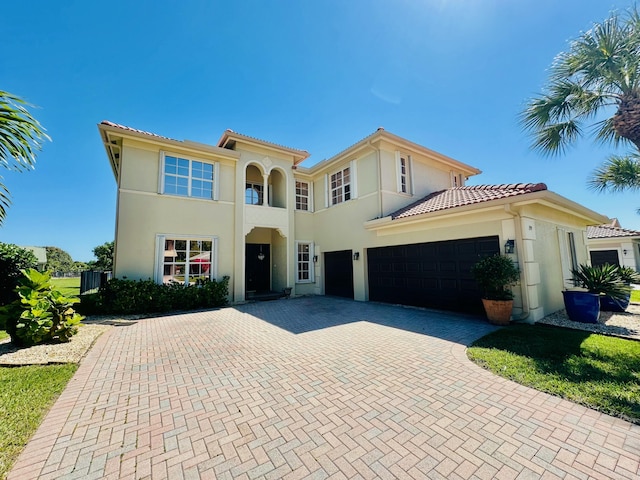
[
  {"x": 594, "y": 370},
  {"x": 69, "y": 287},
  {"x": 26, "y": 394}
]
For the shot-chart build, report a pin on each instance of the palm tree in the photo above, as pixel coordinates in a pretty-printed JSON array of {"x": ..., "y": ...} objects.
[
  {"x": 20, "y": 137},
  {"x": 598, "y": 75}
]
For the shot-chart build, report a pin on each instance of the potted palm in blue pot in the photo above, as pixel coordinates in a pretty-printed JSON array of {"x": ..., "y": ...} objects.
[
  {"x": 609, "y": 304},
  {"x": 583, "y": 305}
]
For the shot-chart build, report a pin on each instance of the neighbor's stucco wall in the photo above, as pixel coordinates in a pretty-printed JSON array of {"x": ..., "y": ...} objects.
[{"x": 630, "y": 258}]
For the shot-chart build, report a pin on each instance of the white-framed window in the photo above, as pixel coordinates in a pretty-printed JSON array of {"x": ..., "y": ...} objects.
[
  {"x": 185, "y": 259},
  {"x": 303, "y": 196},
  {"x": 341, "y": 186},
  {"x": 254, "y": 194},
  {"x": 186, "y": 177},
  {"x": 404, "y": 175},
  {"x": 304, "y": 262}
]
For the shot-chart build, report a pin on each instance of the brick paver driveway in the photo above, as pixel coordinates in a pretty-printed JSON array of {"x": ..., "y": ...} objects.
[{"x": 313, "y": 387}]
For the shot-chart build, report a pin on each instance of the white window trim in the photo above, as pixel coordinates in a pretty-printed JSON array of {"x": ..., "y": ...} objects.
[
  {"x": 159, "y": 261},
  {"x": 408, "y": 173},
  {"x": 309, "y": 196},
  {"x": 216, "y": 175},
  {"x": 312, "y": 250},
  {"x": 353, "y": 191}
]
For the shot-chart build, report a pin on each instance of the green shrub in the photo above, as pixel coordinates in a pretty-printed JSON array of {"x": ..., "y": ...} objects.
[
  {"x": 12, "y": 260},
  {"x": 41, "y": 314},
  {"x": 495, "y": 275},
  {"x": 122, "y": 296}
]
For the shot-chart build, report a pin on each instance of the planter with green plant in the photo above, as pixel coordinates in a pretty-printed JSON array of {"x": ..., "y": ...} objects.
[
  {"x": 609, "y": 304},
  {"x": 496, "y": 275},
  {"x": 595, "y": 282}
]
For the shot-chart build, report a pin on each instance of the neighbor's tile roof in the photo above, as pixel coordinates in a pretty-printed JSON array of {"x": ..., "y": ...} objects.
[
  {"x": 459, "y": 196},
  {"x": 124, "y": 127},
  {"x": 609, "y": 231}
]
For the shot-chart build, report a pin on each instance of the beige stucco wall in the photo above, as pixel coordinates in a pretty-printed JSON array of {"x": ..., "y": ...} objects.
[{"x": 143, "y": 216}]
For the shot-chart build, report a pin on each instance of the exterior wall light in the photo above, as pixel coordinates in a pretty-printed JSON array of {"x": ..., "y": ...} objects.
[
  {"x": 356, "y": 256},
  {"x": 315, "y": 259},
  {"x": 510, "y": 246}
]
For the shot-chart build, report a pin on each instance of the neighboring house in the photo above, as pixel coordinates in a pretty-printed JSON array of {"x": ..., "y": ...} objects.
[
  {"x": 613, "y": 244},
  {"x": 384, "y": 220},
  {"x": 41, "y": 256}
]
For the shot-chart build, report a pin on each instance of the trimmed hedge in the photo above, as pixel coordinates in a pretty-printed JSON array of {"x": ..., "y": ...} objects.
[{"x": 121, "y": 296}]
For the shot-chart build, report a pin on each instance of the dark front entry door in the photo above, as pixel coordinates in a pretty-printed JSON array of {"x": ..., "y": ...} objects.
[
  {"x": 600, "y": 257},
  {"x": 434, "y": 274},
  {"x": 338, "y": 273},
  {"x": 257, "y": 271}
]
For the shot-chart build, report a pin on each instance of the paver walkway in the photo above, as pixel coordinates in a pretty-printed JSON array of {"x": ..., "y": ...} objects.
[{"x": 313, "y": 388}]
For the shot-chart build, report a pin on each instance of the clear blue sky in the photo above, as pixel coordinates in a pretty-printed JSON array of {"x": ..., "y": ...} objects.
[{"x": 449, "y": 74}]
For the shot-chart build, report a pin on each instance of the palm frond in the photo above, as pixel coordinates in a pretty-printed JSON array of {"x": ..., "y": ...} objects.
[
  {"x": 21, "y": 135},
  {"x": 606, "y": 134},
  {"x": 617, "y": 173}
]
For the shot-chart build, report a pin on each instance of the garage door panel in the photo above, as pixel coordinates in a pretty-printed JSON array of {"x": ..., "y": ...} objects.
[{"x": 433, "y": 274}]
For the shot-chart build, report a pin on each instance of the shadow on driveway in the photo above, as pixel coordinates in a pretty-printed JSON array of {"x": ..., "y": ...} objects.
[{"x": 306, "y": 314}]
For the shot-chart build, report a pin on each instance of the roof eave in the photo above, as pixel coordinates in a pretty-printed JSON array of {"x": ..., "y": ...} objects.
[
  {"x": 545, "y": 197},
  {"x": 298, "y": 155}
]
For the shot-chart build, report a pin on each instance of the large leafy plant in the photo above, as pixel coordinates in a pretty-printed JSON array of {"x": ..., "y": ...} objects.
[
  {"x": 41, "y": 314},
  {"x": 604, "y": 279},
  {"x": 495, "y": 275}
]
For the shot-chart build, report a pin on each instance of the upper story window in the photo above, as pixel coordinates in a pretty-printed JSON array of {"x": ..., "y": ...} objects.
[
  {"x": 341, "y": 186},
  {"x": 254, "y": 194},
  {"x": 187, "y": 178},
  {"x": 302, "y": 196},
  {"x": 405, "y": 182}
]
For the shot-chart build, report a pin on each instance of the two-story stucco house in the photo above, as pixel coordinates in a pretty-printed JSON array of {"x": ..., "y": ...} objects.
[{"x": 384, "y": 220}]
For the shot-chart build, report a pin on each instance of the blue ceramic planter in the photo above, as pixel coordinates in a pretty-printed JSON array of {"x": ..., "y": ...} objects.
[
  {"x": 608, "y": 304},
  {"x": 582, "y": 306}
]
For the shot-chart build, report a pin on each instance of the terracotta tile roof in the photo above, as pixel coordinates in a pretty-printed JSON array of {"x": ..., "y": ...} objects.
[
  {"x": 249, "y": 137},
  {"x": 459, "y": 196},
  {"x": 124, "y": 127},
  {"x": 609, "y": 231}
]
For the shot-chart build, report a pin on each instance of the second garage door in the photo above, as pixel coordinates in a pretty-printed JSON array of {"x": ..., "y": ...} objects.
[{"x": 434, "y": 274}]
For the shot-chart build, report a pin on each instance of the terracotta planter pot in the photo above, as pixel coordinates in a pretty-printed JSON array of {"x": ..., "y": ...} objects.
[{"x": 498, "y": 311}]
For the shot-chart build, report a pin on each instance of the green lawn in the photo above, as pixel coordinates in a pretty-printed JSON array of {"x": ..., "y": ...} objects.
[
  {"x": 26, "y": 393},
  {"x": 69, "y": 287},
  {"x": 594, "y": 370},
  {"x": 3, "y": 335},
  {"x": 635, "y": 296}
]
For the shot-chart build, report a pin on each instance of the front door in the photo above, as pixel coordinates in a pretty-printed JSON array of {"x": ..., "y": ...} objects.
[{"x": 257, "y": 267}]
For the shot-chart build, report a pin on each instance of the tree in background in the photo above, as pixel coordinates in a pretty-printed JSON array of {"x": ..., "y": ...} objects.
[
  {"x": 104, "y": 254},
  {"x": 59, "y": 261},
  {"x": 594, "y": 87},
  {"x": 20, "y": 137},
  {"x": 12, "y": 260}
]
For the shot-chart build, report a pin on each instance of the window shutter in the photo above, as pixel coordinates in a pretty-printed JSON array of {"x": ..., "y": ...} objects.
[
  {"x": 159, "y": 267},
  {"x": 398, "y": 173},
  {"x": 310, "y": 204},
  {"x": 354, "y": 179},
  {"x": 326, "y": 190},
  {"x": 312, "y": 264},
  {"x": 410, "y": 174},
  {"x": 216, "y": 181},
  {"x": 160, "y": 174}
]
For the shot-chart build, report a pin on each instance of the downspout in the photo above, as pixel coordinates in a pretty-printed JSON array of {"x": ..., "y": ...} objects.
[{"x": 521, "y": 263}]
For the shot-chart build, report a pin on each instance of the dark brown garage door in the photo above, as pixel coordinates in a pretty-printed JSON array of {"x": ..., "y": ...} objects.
[
  {"x": 338, "y": 273},
  {"x": 435, "y": 274},
  {"x": 600, "y": 257}
]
